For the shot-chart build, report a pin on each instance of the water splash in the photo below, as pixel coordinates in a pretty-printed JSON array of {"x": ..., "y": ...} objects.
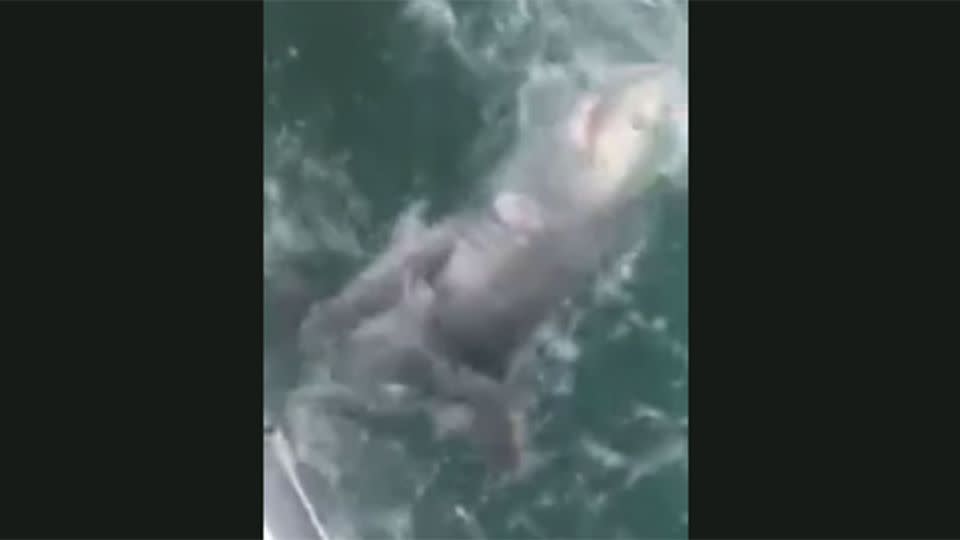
[
  {"x": 505, "y": 49},
  {"x": 310, "y": 202}
]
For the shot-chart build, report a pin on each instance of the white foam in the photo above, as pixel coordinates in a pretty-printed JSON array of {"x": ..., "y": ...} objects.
[
  {"x": 527, "y": 39},
  {"x": 603, "y": 454}
]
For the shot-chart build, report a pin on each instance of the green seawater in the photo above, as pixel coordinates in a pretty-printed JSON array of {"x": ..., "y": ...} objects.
[{"x": 357, "y": 97}]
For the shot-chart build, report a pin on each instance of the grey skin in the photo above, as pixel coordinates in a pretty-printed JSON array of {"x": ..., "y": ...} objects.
[{"x": 443, "y": 312}]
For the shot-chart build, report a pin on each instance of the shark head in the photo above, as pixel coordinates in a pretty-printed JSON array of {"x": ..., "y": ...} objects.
[
  {"x": 621, "y": 129},
  {"x": 587, "y": 142}
]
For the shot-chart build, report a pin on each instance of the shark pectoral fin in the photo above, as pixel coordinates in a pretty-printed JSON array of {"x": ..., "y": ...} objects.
[{"x": 403, "y": 269}]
